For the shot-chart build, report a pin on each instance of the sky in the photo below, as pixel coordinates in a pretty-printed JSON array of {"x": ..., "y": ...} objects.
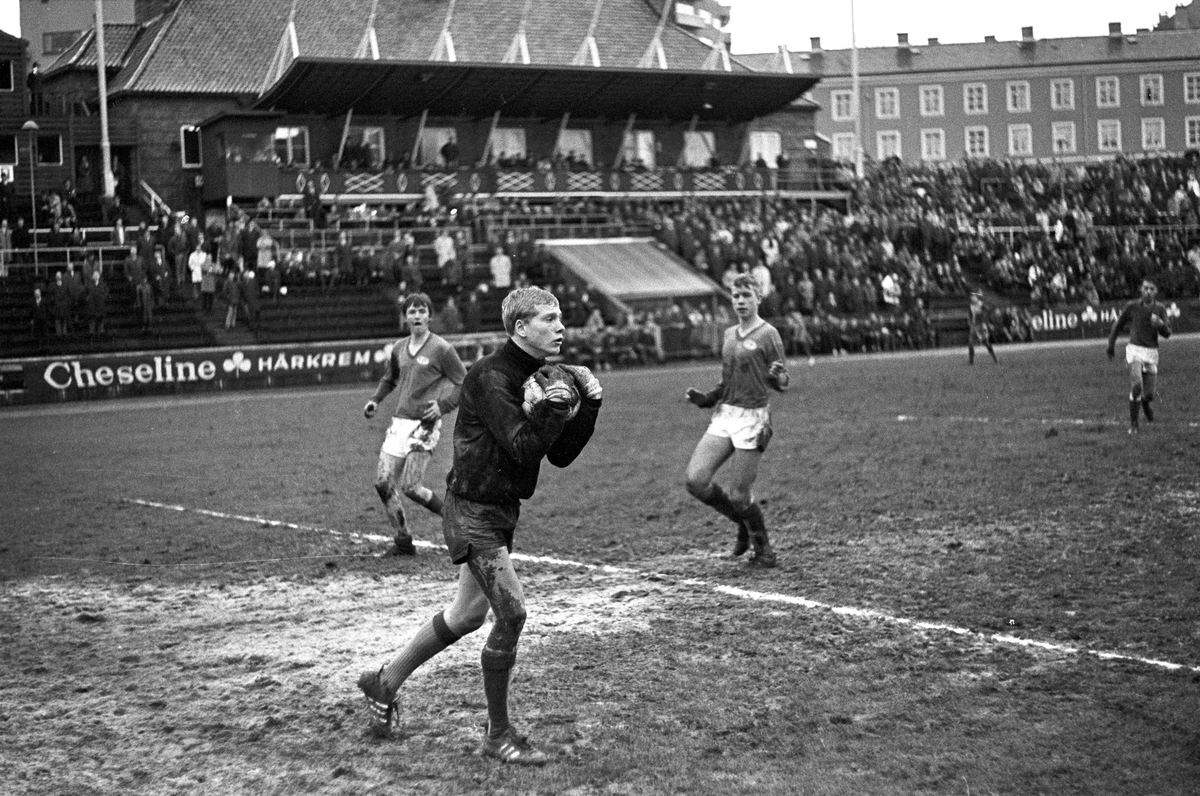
[{"x": 760, "y": 26}]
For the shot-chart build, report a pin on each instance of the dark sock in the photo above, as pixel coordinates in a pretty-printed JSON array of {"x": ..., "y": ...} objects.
[
  {"x": 433, "y": 637},
  {"x": 495, "y": 688},
  {"x": 1134, "y": 407},
  {"x": 720, "y": 501}
]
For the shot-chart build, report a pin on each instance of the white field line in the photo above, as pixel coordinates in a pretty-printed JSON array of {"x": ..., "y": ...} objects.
[
  {"x": 745, "y": 594},
  {"x": 1042, "y": 421}
]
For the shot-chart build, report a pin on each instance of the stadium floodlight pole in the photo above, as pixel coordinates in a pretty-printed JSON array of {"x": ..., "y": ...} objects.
[
  {"x": 102, "y": 85},
  {"x": 31, "y": 127},
  {"x": 854, "y": 82}
]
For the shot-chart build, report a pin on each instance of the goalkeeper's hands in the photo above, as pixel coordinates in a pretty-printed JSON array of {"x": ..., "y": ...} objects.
[
  {"x": 587, "y": 384},
  {"x": 701, "y": 399},
  {"x": 369, "y": 409},
  {"x": 554, "y": 391}
]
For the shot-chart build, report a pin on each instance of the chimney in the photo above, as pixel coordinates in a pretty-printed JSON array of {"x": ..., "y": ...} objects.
[
  {"x": 1027, "y": 33},
  {"x": 1114, "y": 30},
  {"x": 902, "y": 39},
  {"x": 932, "y": 41},
  {"x": 814, "y": 44},
  {"x": 989, "y": 39}
]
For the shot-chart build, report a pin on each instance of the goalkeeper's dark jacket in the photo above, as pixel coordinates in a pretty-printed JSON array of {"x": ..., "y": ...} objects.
[{"x": 497, "y": 449}]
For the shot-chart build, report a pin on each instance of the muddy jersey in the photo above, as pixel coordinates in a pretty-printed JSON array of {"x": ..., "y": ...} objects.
[
  {"x": 745, "y": 361},
  {"x": 434, "y": 373},
  {"x": 1136, "y": 316}
]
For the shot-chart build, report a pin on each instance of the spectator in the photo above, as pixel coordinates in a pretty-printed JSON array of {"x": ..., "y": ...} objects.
[
  {"x": 501, "y": 268},
  {"x": 96, "y": 305}
]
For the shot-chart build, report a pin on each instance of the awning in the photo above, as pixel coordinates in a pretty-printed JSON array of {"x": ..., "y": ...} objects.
[
  {"x": 405, "y": 88},
  {"x": 630, "y": 269}
]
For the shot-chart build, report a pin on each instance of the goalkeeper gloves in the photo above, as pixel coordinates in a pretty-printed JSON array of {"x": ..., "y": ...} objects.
[{"x": 587, "y": 384}]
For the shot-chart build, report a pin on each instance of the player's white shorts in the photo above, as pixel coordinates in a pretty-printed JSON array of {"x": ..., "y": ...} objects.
[
  {"x": 1147, "y": 357},
  {"x": 406, "y": 435},
  {"x": 747, "y": 429}
]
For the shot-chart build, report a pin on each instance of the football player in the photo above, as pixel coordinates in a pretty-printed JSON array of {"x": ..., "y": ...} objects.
[
  {"x": 428, "y": 374},
  {"x": 752, "y": 360},
  {"x": 498, "y": 451},
  {"x": 1147, "y": 321},
  {"x": 979, "y": 332}
]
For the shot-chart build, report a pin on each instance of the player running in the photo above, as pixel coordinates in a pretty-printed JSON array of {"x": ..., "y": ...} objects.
[
  {"x": 979, "y": 332},
  {"x": 497, "y": 455},
  {"x": 1147, "y": 321},
  {"x": 752, "y": 359},
  {"x": 428, "y": 374}
]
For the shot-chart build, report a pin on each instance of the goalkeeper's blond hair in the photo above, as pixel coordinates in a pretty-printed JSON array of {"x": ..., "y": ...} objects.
[{"x": 521, "y": 305}]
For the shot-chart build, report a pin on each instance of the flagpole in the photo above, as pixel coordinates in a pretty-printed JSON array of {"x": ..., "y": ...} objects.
[{"x": 858, "y": 146}]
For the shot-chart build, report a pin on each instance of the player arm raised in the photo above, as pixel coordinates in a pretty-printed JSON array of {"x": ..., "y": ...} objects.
[
  {"x": 525, "y": 439},
  {"x": 578, "y": 430}
]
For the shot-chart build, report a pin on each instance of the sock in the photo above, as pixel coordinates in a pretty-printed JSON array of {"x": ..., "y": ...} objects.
[
  {"x": 757, "y": 525},
  {"x": 495, "y": 688},
  {"x": 720, "y": 501},
  {"x": 1134, "y": 407},
  {"x": 433, "y": 637}
]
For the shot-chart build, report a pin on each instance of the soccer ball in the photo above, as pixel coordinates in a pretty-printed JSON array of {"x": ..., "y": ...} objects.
[{"x": 533, "y": 393}]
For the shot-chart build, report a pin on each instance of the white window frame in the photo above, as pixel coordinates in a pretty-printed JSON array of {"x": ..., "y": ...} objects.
[
  {"x": 887, "y": 135},
  {"x": 186, "y": 130},
  {"x": 882, "y": 97},
  {"x": 640, "y": 145},
  {"x": 844, "y": 147},
  {"x": 1103, "y": 128},
  {"x": 1149, "y": 125},
  {"x": 1191, "y": 88},
  {"x": 1062, "y": 94},
  {"x": 1063, "y": 132},
  {"x": 45, "y": 136},
  {"x": 1151, "y": 85},
  {"x": 1014, "y": 131},
  {"x": 290, "y": 134},
  {"x": 836, "y": 100},
  {"x": 699, "y": 146},
  {"x": 16, "y": 148},
  {"x": 768, "y": 144},
  {"x": 1191, "y": 132},
  {"x": 937, "y": 95},
  {"x": 1014, "y": 92},
  {"x": 983, "y": 94},
  {"x": 936, "y": 152},
  {"x": 1103, "y": 83},
  {"x": 987, "y": 144}
]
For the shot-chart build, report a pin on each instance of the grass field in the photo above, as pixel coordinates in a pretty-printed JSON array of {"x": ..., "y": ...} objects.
[{"x": 986, "y": 587}]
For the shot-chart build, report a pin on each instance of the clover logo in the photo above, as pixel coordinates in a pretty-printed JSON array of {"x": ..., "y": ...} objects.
[
  {"x": 1173, "y": 311},
  {"x": 238, "y": 363},
  {"x": 382, "y": 354},
  {"x": 1089, "y": 315}
]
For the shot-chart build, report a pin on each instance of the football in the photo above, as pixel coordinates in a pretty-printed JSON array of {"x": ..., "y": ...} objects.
[{"x": 555, "y": 381}]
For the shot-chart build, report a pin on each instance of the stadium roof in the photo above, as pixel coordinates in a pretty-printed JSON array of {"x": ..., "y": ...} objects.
[
  {"x": 630, "y": 269},
  {"x": 925, "y": 58},
  {"x": 405, "y": 88},
  {"x": 228, "y": 46}
]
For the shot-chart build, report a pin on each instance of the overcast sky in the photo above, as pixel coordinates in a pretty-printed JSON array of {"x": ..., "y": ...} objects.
[{"x": 760, "y": 26}]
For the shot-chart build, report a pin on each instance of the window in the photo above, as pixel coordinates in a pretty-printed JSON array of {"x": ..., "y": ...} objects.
[
  {"x": 58, "y": 41},
  {"x": 699, "y": 147},
  {"x": 8, "y": 150},
  {"x": 189, "y": 146},
  {"x": 1108, "y": 92},
  {"x": 1191, "y": 132},
  {"x": 843, "y": 105},
  {"x": 6, "y": 75},
  {"x": 887, "y": 144},
  {"x": 508, "y": 144},
  {"x": 638, "y": 148},
  {"x": 1108, "y": 135},
  {"x": 365, "y": 146},
  {"x": 1063, "y": 134},
  {"x": 933, "y": 101},
  {"x": 887, "y": 103},
  {"x": 1062, "y": 95},
  {"x": 933, "y": 145},
  {"x": 975, "y": 99},
  {"x": 976, "y": 142},
  {"x": 49, "y": 150},
  {"x": 767, "y": 145},
  {"x": 844, "y": 147},
  {"x": 291, "y": 146},
  {"x": 1191, "y": 88},
  {"x": 433, "y": 140},
  {"x": 1152, "y": 90},
  {"x": 575, "y": 144},
  {"x": 1153, "y": 134},
  {"x": 1018, "y": 96},
  {"x": 1020, "y": 140}
]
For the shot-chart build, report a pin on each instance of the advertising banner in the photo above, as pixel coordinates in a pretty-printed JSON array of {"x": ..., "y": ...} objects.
[{"x": 1084, "y": 322}]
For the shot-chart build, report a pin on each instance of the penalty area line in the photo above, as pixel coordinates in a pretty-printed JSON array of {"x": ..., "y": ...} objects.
[
  {"x": 1040, "y": 421},
  {"x": 732, "y": 591}
]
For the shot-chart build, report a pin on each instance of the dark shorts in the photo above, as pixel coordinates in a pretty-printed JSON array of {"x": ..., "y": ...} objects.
[{"x": 469, "y": 526}]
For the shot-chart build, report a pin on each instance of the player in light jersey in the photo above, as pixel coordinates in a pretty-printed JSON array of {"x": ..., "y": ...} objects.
[
  {"x": 428, "y": 375},
  {"x": 979, "y": 332},
  {"x": 752, "y": 360},
  {"x": 1147, "y": 321}
]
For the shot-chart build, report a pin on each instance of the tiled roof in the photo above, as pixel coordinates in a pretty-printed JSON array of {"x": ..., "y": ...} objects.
[
  {"x": 118, "y": 39},
  {"x": 227, "y": 46},
  {"x": 1132, "y": 48}
]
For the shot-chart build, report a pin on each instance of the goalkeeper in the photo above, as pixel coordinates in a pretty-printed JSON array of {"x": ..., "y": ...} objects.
[{"x": 497, "y": 455}]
